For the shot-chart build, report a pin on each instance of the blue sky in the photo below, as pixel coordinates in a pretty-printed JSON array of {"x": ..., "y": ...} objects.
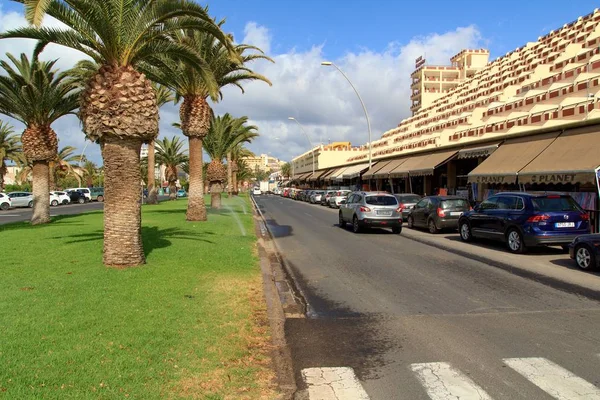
[{"x": 374, "y": 42}]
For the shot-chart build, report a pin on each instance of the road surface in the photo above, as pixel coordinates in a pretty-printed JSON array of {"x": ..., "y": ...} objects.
[{"x": 410, "y": 321}]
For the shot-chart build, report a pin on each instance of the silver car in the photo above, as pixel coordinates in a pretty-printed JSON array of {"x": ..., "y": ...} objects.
[
  {"x": 336, "y": 199},
  {"x": 407, "y": 201},
  {"x": 315, "y": 197},
  {"x": 371, "y": 209},
  {"x": 21, "y": 199}
]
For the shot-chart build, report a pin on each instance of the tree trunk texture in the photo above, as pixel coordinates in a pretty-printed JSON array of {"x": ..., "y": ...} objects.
[
  {"x": 41, "y": 198},
  {"x": 52, "y": 176},
  {"x": 123, "y": 245},
  {"x": 172, "y": 190},
  {"x": 196, "y": 210},
  {"x": 229, "y": 175},
  {"x": 235, "y": 184},
  {"x": 216, "y": 188},
  {"x": 152, "y": 190},
  {"x": 2, "y": 173}
]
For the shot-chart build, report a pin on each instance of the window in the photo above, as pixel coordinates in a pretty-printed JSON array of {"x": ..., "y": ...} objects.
[
  {"x": 489, "y": 204},
  {"x": 520, "y": 204},
  {"x": 381, "y": 200},
  {"x": 507, "y": 203},
  {"x": 408, "y": 199},
  {"x": 422, "y": 203},
  {"x": 555, "y": 204},
  {"x": 351, "y": 199},
  {"x": 454, "y": 203}
]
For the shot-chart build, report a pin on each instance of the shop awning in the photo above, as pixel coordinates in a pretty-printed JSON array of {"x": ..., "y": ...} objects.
[
  {"x": 317, "y": 175},
  {"x": 376, "y": 167},
  {"x": 328, "y": 173},
  {"x": 423, "y": 164},
  {"x": 476, "y": 152},
  {"x": 385, "y": 171},
  {"x": 571, "y": 158},
  {"x": 302, "y": 177},
  {"x": 338, "y": 174},
  {"x": 354, "y": 171},
  {"x": 333, "y": 172},
  {"x": 510, "y": 158}
]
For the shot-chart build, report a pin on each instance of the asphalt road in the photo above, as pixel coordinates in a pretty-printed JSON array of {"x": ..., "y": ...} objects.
[{"x": 417, "y": 322}]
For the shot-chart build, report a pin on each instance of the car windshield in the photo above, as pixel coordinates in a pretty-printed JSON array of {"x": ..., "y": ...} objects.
[
  {"x": 408, "y": 199},
  {"x": 381, "y": 200},
  {"x": 555, "y": 204},
  {"x": 454, "y": 203}
]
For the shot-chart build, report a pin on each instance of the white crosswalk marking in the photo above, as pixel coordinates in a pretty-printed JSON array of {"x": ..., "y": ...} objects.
[
  {"x": 333, "y": 384},
  {"x": 554, "y": 379},
  {"x": 443, "y": 382}
]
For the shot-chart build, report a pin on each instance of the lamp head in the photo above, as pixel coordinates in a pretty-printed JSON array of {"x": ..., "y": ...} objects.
[
  {"x": 326, "y": 63},
  {"x": 291, "y": 118}
]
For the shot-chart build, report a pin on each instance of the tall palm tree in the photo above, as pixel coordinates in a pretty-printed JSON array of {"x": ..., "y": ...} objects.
[
  {"x": 238, "y": 153},
  {"x": 286, "y": 170},
  {"x": 195, "y": 87},
  {"x": 118, "y": 106},
  {"x": 170, "y": 153},
  {"x": 10, "y": 149},
  {"x": 34, "y": 94},
  {"x": 225, "y": 133},
  {"x": 164, "y": 95},
  {"x": 63, "y": 165}
]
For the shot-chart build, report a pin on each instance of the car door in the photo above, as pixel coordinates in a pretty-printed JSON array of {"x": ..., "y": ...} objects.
[
  {"x": 17, "y": 199},
  {"x": 498, "y": 216},
  {"x": 354, "y": 204},
  {"x": 480, "y": 218},
  {"x": 430, "y": 210},
  {"x": 419, "y": 210},
  {"x": 345, "y": 208}
]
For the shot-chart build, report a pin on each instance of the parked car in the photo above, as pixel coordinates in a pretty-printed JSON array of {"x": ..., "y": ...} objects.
[
  {"x": 63, "y": 197},
  {"x": 585, "y": 250},
  {"x": 437, "y": 212},
  {"x": 298, "y": 193},
  {"x": 307, "y": 195},
  {"x": 370, "y": 209},
  {"x": 181, "y": 193},
  {"x": 336, "y": 199},
  {"x": 407, "y": 201},
  {"x": 256, "y": 191},
  {"x": 97, "y": 194},
  {"x": 316, "y": 196},
  {"x": 5, "y": 201},
  {"x": 326, "y": 196},
  {"x": 54, "y": 199},
  {"x": 87, "y": 193},
  {"x": 77, "y": 196},
  {"x": 21, "y": 199},
  {"x": 285, "y": 192},
  {"x": 523, "y": 220}
]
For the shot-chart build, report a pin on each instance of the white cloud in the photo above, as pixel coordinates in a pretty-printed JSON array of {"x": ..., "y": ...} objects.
[{"x": 319, "y": 97}]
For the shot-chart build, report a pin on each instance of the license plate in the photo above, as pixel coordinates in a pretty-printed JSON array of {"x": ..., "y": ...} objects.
[
  {"x": 384, "y": 213},
  {"x": 456, "y": 213},
  {"x": 565, "y": 225}
]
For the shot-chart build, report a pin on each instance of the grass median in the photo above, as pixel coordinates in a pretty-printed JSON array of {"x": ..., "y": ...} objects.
[{"x": 191, "y": 323}]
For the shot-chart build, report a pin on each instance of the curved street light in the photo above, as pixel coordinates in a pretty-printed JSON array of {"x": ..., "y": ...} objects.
[
  {"x": 329, "y": 64},
  {"x": 309, "y": 142}
]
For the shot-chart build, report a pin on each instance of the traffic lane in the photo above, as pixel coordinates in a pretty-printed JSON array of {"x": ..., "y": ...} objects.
[
  {"x": 378, "y": 271},
  {"x": 24, "y": 214},
  {"x": 380, "y": 324}
]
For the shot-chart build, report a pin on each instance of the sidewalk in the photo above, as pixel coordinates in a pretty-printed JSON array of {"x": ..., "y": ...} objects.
[{"x": 548, "y": 265}]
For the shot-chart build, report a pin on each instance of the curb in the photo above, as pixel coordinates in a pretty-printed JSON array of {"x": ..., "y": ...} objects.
[
  {"x": 281, "y": 353},
  {"x": 516, "y": 270}
]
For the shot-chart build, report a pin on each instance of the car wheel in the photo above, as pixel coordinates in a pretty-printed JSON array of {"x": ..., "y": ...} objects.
[
  {"x": 397, "y": 230},
  {"x": 431, "y": 226},
  {"x": 342, "y": 223},
  {"x": 81, "y": 200},
  {"x": 65, "y": 202},
  {"x": 4, "y": 206},
  {"x": 585, "y": 259},
  {"x": 30, "y": 205},
  {"x": 54, "y": 203},
  {"x": 410, "y": 222},
  {"x": 514, "y": 239},
  {"x": 100, "y": 199},
  {"x": 465, "y": 232},
  {"x": 355, "y": 225}
]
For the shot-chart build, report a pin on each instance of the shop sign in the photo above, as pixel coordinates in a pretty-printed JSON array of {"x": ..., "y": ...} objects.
[
  {"x": 491, "y": 179},
  {"x": 550, "y": 178},
  {"x": 476, "y": 153}
]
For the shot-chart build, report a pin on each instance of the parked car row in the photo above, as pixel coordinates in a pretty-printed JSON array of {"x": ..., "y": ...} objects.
[{"x": 56, "y": 198}]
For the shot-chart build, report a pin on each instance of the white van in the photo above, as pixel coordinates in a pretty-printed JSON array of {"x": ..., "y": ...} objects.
[{"x": 86, "y": 192}]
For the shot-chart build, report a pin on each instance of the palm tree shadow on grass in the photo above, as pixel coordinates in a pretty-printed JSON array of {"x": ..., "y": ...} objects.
[{"x": 153, "y": 237}]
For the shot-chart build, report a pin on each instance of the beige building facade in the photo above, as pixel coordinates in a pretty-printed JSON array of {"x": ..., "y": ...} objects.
[{"x": 264, "y": 163}]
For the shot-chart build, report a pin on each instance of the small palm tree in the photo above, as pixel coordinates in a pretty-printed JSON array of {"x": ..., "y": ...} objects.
[
  {"x": 225, "y": 133},
  {"x": 64, "y": 165},
  {"x": 170, "y": 153},
  {"x": 238, "y": 153},
  {"x": 34, "y": 94},
  {"x": 90, "y": 169},
  {"x": 118, "y": 106},
  {"x": 10, "y": 149},
  {"x": 195, "y": 86},
  {"x": 286, "y": 170}
]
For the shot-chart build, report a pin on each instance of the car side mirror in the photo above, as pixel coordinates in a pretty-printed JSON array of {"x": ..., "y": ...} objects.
[{"x": 342, "y": 201}]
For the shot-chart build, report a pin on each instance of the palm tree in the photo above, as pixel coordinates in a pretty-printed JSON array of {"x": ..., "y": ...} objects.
[
  {"x": 195, "y": 86},
  {"x": 118, "y": 106},
  {"x": 90, "y": 169},
  {"x": 286, "y": 170},
  {"x": 164, "y": 95},
  {"x": 169, "y": 152},
  {"x": 34, "y": 94},
  {"x": 243, "y": 173},
  {"x": 225, "y": 133},
  {"x": 10, "y": 149},
  {"x": 64, "y": 164},
  {"x": 237, "y": 163}
]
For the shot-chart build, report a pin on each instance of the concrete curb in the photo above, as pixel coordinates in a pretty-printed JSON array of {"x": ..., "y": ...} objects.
[
  {"x": 282, "y": 358},
  {"x": 516, "y": 270}
]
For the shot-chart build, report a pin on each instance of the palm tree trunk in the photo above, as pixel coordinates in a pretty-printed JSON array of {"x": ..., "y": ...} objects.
[
  {"x": 235, "y": 184},
  {"x": 196, "y": 210},
  {"x": 51, "y": 177},
  {"x": 172, "y": 190},
  {"x": 229, "y": 175},
  {"x": 123, "y": 245},
  {"x": 41, "y": 198},
  {"x": 2, "y": 173},
  {"x": 152, "y": 190},
  {"x": 216, "y": 188}
]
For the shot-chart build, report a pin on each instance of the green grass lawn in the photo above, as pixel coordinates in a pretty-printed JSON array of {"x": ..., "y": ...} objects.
[{"x": 191, "y": 323}]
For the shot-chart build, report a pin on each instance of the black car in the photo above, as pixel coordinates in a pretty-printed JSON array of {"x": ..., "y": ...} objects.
[
  {"x": 77, "y": 196},
  {"x": 437, "y": 212},
  {"x": 585, "y": 250}
]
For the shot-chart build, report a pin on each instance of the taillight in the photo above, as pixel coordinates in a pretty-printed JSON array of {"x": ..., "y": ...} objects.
[
  {"x": 400, "y": 208},
  {"x": 538, "y": 218},
  {"x": 470, "y": 208},
  {"x": 585, "y": 216},
  {"x": 441, "y": 213},
  {"x": 364, "y": 209}
]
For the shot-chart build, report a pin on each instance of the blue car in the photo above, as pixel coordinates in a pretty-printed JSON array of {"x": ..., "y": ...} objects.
[
  {"x": 181, "y": 193},
  {"x": 524, "y": 220},
  {"x": 585, "y": 250}
]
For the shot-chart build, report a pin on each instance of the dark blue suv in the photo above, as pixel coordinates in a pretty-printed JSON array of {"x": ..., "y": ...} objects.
[{"x": 523, "y": 220}]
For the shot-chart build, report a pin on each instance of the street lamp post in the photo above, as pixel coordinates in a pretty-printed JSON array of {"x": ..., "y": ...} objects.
[
  {"x": 329, "y": 63},
  {"x": 309, "y": 142}
]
